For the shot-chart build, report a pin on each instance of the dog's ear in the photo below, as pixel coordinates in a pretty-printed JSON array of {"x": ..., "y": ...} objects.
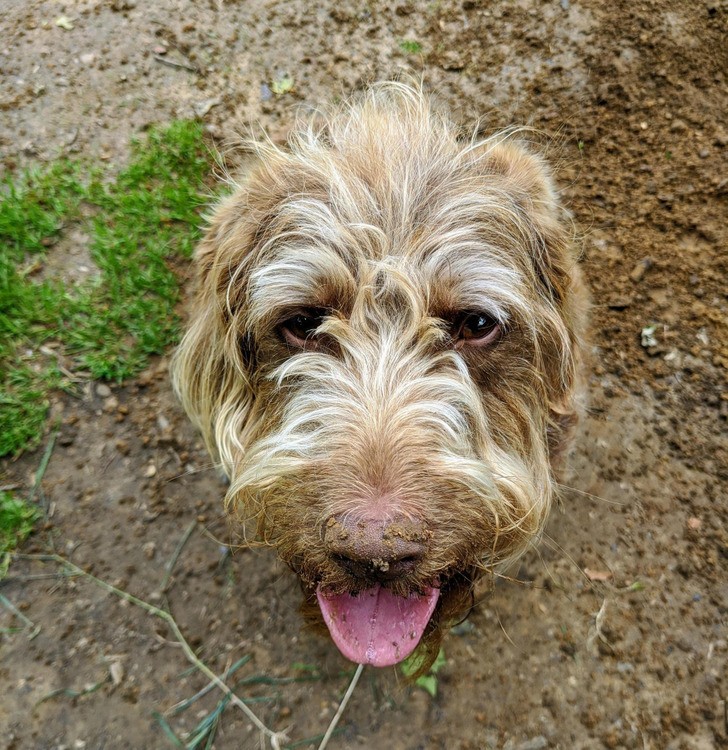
[
  {"x": 211, "y": 367},
  {"x": 527, "y": 178}
]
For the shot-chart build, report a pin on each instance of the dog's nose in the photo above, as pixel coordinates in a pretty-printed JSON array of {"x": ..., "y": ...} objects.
[{"x": 376, "y": 549}]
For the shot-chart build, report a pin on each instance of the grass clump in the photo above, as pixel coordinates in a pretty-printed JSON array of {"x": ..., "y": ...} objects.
[
  {"x": 139, "y": 224},
  {"x": 17, "y": 519},
  {"x": 410, "y": 46},
  {"x": 412, "y": 666}
]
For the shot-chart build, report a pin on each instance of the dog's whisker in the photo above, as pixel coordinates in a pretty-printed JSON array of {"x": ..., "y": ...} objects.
[
  {"x": 194, "y": 471},
  {"x": 590, "y": 495},
  {"x": 554, "y": 545}
]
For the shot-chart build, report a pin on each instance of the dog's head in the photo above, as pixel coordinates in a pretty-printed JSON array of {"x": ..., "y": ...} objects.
[{"x": 384, "y": 355}]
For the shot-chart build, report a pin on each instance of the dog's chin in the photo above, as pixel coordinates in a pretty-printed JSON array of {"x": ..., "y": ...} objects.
[{"x": 379, "y": 626}]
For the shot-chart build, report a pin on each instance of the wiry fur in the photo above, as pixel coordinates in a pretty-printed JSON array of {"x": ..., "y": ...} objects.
[{"x": 379, "y": 214}]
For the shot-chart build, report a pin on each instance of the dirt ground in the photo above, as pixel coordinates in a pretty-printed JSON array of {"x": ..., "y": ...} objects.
[{"x": 611, "y": 635}]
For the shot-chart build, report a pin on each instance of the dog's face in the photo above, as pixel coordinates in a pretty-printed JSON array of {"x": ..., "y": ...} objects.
[{"x": 384, "y": 357}]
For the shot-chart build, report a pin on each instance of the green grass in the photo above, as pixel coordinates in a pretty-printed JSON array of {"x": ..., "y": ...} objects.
[
  {"x": 138, "y": 221},
  {"x": 16, "y": 522},
  {"x": 410, "y": 46},
  {"x": 413, "y": 664}
]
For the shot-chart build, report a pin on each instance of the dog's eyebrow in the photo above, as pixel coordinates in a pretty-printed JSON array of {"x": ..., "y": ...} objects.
[
  {"x": 300, "y": 275},
  {"x": 465, "y": 274}
]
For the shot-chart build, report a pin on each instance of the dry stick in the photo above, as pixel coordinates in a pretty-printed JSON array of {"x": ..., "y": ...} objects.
[
  {"x": 28, "y": 623},
  {"x": 199, "y": 694},
  {"x": 598, "y": 622},
  {"x": 342, "y": 706},
  {"x": 173, "y": 64},
  {"x": 275, "y": 737}
]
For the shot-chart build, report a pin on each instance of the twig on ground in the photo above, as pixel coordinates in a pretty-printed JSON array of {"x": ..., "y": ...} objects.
[
  {"x": 342, "y": 706},
  {"x": 173, "y": 64},
  {"x": 597, "y": 632},
  {"x": 28, "y": 623},
  {"x": 175, "y": 555},
  {"x": 36, "y": 577},
  {"x": 275, "y": 738},
  {"x": 187, "y": 702}
]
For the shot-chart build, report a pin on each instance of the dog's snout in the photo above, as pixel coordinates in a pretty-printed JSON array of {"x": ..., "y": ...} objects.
[{"x": 376, "y": 549}]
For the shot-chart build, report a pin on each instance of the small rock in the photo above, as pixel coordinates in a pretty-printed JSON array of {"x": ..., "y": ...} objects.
[
  {"x": 67, "y": 438},
  {"x": 647, "y": 337},
  {"x": 452, "y": 61},
  {"x": 87, "y": 58},
  {"x": 203, "y": 107},
  {"x": 537, "y": 743},
  {"x": 103, "y": 390},
  {"x": 146, "y": 378},
  {"x": 64, "y": 22},
  {"x": 111, "y": 404},
  {"x": 149, "y": 550},
  {"x": 641, "y": 269},
  {"x": 117, "y": 672},
  {"x": 150, "y": 471}
]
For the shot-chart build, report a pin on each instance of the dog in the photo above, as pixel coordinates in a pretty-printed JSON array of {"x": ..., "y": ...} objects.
[{"x": 385, "y": 355}]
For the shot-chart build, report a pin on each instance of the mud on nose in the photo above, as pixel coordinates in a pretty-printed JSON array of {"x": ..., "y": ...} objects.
[{"x": 376, "y": 549}]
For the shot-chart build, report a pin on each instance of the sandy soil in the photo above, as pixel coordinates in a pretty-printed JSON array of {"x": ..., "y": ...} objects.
[{"x": 636, "y": 95}]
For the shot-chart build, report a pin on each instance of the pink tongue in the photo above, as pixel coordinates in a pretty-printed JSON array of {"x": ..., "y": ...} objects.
[{"x": 375, "y": 626}]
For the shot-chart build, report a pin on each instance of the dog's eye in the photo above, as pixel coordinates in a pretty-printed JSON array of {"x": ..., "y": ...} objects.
[
  {"x": 300, "y": 329},
  {"x": 477, "y": 329}
]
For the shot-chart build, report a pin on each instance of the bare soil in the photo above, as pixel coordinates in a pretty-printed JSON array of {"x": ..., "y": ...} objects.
[{"x": 613, "y": 633}]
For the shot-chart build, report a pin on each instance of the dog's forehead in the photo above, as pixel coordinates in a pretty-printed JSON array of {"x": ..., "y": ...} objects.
[{"x": 453, "y": 236}]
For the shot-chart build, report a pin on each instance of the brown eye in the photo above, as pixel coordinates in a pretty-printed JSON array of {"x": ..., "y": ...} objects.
[
  {"x": 477, "y": 329},
  {"x": 300, "y": 329}
]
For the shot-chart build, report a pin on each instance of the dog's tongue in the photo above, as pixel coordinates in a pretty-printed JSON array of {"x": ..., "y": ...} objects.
[{"x": 375, "y": 626}]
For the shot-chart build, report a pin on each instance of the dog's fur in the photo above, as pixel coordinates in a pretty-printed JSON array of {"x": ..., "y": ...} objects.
[{"x": 379, "y": 218}]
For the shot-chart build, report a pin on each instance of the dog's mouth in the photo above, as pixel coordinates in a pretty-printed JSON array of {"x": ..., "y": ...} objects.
[{"x": 376, "y": 626}]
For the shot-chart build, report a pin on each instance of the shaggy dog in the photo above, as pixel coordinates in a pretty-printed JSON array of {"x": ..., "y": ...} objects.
[{"x": 384, "y": 356}]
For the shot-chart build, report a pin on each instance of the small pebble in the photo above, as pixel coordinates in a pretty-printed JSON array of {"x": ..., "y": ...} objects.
[{"x": 641, "y": 269}]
